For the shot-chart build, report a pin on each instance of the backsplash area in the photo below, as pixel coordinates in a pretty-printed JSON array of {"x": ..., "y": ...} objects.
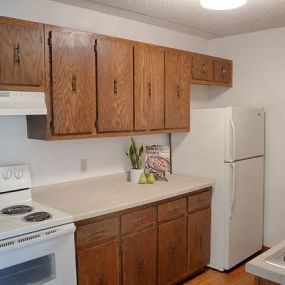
[{"x": 59, "y": 161}]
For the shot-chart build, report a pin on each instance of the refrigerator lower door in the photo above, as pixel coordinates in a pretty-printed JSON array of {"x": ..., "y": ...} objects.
[
  {"x": 244, "y": 210},
  {"x": 244, "y": 133}
]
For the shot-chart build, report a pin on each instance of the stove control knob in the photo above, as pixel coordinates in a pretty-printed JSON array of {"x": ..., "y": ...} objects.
[
  {"x": 7, "y": 174},
  {"x": 18, "y": 173}
]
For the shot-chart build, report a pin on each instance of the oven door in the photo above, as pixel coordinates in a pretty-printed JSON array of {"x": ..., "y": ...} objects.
[{"x": 44, "y": 257}]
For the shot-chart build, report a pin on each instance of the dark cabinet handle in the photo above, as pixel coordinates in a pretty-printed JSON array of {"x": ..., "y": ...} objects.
[
  {"x": 17, "y": 53},
  {"x": 115, "y": 87},
  {"x": 200, "y": 240},
  {"x": 74, "y": 83},
  {"x": 101, "y": 279},
  {"x": 204, "y": 68},
  {"x": 149, "y": 89},
  {"x": 178, "y": 91},
  {"x": 172, "y": 250},
  {"x": 140, "y": 266}
]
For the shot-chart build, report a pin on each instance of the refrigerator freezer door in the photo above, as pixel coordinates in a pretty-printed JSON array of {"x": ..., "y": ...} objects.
[
  {"x": 244, "y": 133},
  {"x": 244, "y": 210}
]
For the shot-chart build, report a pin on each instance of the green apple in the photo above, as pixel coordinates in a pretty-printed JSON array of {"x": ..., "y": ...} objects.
[{"x": 143, "y": 179}]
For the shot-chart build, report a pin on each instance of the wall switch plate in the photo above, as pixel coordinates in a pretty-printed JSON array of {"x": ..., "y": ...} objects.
[{"x": 83, "y": 165}]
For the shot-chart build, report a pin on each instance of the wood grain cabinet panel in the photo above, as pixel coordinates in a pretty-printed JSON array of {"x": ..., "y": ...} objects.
[
  {"x": 171, "y": 210},
  {"x": 223, "y": 71},
  {"x": 202, "y": 67},
  {"x": 97, "y": 232},
  {"x": 149, "y": 88},
  {"x": 115, "y": 85},
  {"x": 199, "y": 201},
  {"x": 172, "y": 251},
  {"x": 199, "y": 226},
  {"x": 73, "y": 82},
  {"x": 177, "y": 90},
  {"x": 139, "y": 258},
  {"x": 21, "y": 54},
  {"x": 99, "y": 265}
]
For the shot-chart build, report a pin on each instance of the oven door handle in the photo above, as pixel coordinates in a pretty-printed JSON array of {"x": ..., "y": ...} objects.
[{"x": 35, "y": 237}]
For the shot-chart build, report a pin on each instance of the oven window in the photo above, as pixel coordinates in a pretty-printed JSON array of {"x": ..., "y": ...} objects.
[{"x": 37, "y": 271}]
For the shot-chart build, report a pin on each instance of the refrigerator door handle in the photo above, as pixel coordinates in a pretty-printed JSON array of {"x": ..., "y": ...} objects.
[
  {"x": 233, "y": 139},
  {"x": 233, "y": 188}
]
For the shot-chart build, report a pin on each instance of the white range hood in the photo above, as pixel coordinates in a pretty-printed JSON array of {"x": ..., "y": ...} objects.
[{"x": 22, "y": 103}]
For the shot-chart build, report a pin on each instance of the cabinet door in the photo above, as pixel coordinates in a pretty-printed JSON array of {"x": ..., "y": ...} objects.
[
  {"x": 139, "y": 258},
  {"x": 172, "y": 251},
  {"x": 115, "y": 85},
  {"x": 99, "y": 265},
  {"x": 202, "y": 68},
  {"x": 21, "y": 53},
  {"x": 199, "y": 227},
  {"x": 222, "y": 71},
  {"x": 73, "y": 82},
  {"x": 177, "y": 90},
  {"x": 149, "y": 88}
]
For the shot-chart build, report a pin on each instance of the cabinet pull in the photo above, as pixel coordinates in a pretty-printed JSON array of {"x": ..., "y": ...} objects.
[
  {"x": 223, "y": 71},
  {"x": 204, "y": 68},
  {"x": 140, "y": 266},
  {"x": 17, "y": 53},
  {"x": 149, "y": 89},
  {"x": 74, "y": 83},
  {"x": 115, "y": 87},
  {"x": 178, "y": 91},
  {"x": 101, "y": 279},
  {"x": 139, "y": 222},
  {"x": 172, "y": 253},
  {"x": 99, "y": 231},
  {"x": 173, "y": 211}
]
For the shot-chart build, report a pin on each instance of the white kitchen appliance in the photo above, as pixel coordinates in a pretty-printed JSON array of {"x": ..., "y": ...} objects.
[
  {"x": 22, "y": 103},
  {"x": 227, "y": 144},
  {"x": 36, "y": 242}
]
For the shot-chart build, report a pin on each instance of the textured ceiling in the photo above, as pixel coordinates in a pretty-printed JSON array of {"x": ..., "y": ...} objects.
[{"x": 189, "y": 17}]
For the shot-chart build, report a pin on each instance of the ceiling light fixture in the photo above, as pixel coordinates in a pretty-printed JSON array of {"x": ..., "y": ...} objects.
[{"x": 222, "y": 4}]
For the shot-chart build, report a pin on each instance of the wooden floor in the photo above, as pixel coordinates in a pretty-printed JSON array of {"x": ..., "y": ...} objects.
[{"x": 237, "y": 276}]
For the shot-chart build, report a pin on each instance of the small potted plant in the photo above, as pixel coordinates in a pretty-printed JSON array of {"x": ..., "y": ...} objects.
[{"x": 135, "y": 155}]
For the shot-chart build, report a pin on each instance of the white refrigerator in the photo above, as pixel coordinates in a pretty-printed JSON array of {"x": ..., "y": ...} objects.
[{"x": 227, "y": 144}]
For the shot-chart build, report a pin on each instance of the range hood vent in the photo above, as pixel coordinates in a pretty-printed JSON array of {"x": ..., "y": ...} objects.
[{"x": 22, "y": 103}]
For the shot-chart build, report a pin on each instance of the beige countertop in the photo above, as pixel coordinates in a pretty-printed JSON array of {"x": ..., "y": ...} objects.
[
  {"x": 259, "y": 267},
  {"x": 94, "y": 197}
]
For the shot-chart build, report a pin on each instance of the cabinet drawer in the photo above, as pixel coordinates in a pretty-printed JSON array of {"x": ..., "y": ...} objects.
[
  {"x": 171, "y": 210},
  {"x": 199, "y": 201},
  {"x": 97, "y": 232},
  {"x": 138, "y": 220}
]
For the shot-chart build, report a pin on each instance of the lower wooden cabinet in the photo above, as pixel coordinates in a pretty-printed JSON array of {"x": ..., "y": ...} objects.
[
  {"x": 261, "y": 281},
  {"x": 139, "y": 258},
  {"x": 99, "y": 265},
  {"x": 160, "y": 244},
  {"x": 172, "y": 250},
  {"x": 199, "y": 226}
]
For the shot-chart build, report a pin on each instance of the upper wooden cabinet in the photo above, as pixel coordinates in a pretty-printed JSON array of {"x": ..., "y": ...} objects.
[
  {"x": 223, "y": 71},
  {"x": 115, "y": 85},
  {"x": 211, "y": 70},
  {"x": 149, "y": 88},
  {"x": 21, "y": 55},
  {"x": 202, "y": 67},
  {"x": 73, "y": 85},
  {"x": 177, "y": 90}
]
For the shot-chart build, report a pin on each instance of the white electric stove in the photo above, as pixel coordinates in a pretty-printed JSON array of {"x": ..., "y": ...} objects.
[{"x": 36, "y": 241}]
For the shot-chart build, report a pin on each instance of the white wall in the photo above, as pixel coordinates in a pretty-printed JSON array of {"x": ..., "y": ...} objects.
[
  {"x": 259, "y": 79},
  {"x": 53, "y": 162}
]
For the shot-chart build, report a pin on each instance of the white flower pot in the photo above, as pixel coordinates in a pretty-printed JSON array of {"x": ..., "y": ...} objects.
[{"x": 135, "y": 175}]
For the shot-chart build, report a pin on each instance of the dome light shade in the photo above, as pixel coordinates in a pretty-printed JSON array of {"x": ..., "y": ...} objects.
[{"x": 222, "y": 4}]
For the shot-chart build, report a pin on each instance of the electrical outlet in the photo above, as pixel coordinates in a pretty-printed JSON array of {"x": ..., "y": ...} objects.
[{"x": 83, "y": 165}]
